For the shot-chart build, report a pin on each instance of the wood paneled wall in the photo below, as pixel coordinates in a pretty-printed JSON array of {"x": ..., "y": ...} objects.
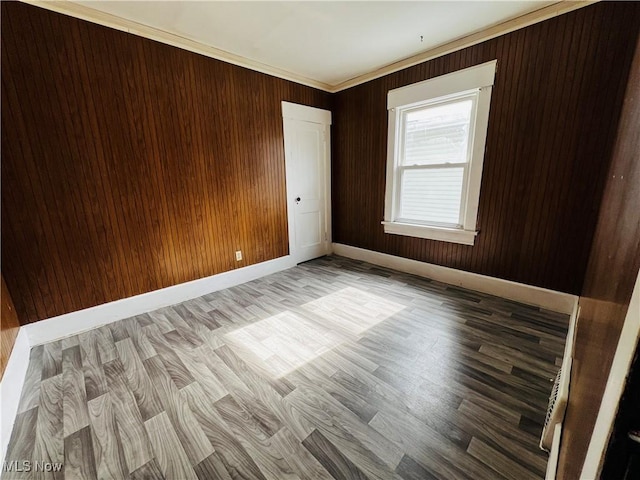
[
  {"x": 554, "y": 111},
  {"x": 9, "y": 326},
  {"x": 129, "y": 165},
  {"x": 611, "y": 275}
]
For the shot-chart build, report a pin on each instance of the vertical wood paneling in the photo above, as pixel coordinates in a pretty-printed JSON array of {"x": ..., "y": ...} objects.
[
  {"x": 554, "y": 112},
  {"x": 129, "y": 165},
  {"x": 610, "y": 278}
]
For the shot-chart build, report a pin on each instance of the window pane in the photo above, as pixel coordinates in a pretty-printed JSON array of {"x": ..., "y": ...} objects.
[
  {"x": 432, "y": 195},
  {"x": 437, "y": 134}
]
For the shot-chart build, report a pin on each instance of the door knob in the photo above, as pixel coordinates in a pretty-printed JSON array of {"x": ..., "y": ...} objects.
[{"x": 297, "y": 199}]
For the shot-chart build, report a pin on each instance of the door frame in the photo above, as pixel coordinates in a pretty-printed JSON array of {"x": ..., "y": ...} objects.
[{"x": 294, "y": 111}]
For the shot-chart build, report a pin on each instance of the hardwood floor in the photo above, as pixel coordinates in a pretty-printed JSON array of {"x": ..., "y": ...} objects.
[{"x": 332, "y": 369}]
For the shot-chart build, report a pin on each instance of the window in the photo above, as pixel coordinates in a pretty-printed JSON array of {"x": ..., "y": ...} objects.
[{"x": 437, "y": 131}]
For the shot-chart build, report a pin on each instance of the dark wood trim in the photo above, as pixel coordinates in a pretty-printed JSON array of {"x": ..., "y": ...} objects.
[
  {"x": 610, "y": 278},
  {"x": 9, "y": 326}
]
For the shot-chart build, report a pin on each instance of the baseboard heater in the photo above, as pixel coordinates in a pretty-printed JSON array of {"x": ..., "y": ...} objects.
[{"x": 552, "y": 430}]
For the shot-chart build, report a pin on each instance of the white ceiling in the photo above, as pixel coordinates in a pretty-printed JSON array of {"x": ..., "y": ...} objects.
[{"x": 326, "y": 42}]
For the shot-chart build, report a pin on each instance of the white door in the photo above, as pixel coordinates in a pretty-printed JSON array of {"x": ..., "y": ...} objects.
[{"x": 306, "y": 140}]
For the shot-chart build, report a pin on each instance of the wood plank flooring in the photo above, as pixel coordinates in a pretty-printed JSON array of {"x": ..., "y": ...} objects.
[{"x": 332, "y": 369}]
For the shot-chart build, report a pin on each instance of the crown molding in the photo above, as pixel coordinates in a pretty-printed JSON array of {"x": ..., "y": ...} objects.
[
  {"x": 83, "y": 12},
  {"x": 112, "y": 21},
  {"x": 503, "y": 28}
]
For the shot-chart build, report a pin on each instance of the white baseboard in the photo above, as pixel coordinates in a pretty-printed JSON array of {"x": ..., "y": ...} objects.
[
  {"x": 552, "y": 463},
  {"x": 11, "y": 388},
  {"x": 82, "y": 320},
  {"x": 519, "y": 292},
  {"x": 76, "y": 322}
]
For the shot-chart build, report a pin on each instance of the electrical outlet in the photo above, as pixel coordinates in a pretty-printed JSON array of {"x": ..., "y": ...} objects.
[{"x": 238, "y": 255}]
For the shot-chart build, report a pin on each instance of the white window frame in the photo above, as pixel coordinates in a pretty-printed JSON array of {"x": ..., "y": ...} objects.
[{"x": 474, "y": 82}]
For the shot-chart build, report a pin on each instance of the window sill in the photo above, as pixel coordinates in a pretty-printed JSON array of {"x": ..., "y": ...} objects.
[{"x": 453, "y": 235}]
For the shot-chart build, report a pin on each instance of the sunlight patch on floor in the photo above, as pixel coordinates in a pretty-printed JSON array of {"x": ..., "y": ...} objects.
[
  {"x": 353, "y": 310},
  {"x": 288, "y": 340}
]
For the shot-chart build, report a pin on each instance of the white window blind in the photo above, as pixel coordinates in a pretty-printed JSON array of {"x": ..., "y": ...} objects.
[{"x": 432, "y": 195}]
